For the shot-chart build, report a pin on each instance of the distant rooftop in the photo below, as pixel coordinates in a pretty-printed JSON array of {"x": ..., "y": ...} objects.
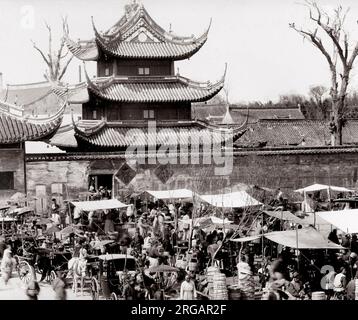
[{"x": 216, "y": 112}]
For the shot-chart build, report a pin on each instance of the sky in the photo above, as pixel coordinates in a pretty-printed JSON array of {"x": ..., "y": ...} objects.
[{"x": 265, "y": 57}]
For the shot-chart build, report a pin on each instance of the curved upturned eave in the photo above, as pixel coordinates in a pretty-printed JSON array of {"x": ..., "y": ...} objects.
[
  {"x": 83, "y": 52},
  {"x": 175, "y": 56},
  {"x": 189, "y": 47},
  {"x": 211, "y": 92},
  {"x": 43, "y": 129}
]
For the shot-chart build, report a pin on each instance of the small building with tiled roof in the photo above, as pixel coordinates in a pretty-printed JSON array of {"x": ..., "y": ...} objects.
[
  {"x": 37, "y": 98},
  {"x": 302, "y": 133},
  {"x": 15, "y": 130},
  {"x": 215, "y": 113}
]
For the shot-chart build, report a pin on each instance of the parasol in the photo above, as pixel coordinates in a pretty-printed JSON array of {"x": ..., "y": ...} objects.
[
  {"x": 21, "y": 197},
  {"x": 100, "y": 244},
  {"x": 68, "y": 230},
  {"x": 23, "y": 210},
  {"x": 163, "y": 268},
  {"x": 41, "y": 221},
  {"x": 53, "y": 229}
]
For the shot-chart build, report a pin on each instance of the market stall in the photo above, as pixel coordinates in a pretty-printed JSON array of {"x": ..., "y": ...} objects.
[
  {"x": 239, "y": 199},
  {"x": 99, "y": 205},
  {"x": 176, "y": 194},
  {"x": 345, "y": 220}
]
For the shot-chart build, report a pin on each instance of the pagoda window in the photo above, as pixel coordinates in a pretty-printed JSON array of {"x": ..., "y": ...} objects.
[
  {"x": 148, "y": 114},
  {"x": 94, "y": 115},
  {"x": 106, "y": 71},
  {"x": 7, "y": 180},
  {"x": 143, "y": 71}
]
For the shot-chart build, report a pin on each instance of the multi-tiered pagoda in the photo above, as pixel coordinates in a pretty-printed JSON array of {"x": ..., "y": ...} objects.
[{"x": 136, "y": 82}]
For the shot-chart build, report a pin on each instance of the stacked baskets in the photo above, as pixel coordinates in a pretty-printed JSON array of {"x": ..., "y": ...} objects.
[
  {"x": 318, "y": 295},
  {"x": 219, "y": 289}
]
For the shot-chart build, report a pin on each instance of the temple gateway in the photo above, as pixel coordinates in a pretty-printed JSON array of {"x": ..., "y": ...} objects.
[{"x": 138, "y": 100}]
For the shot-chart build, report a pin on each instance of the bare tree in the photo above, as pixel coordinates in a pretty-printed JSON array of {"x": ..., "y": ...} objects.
[
  {"x": 340, "y": 61},
  {"x": 55, "y": 59}
]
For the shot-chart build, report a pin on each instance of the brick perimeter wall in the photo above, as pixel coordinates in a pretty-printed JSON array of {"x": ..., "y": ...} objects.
[{"x": 285, "y": 171}]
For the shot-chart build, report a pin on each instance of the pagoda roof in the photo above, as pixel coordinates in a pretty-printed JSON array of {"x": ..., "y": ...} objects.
[
  {"x": 15, "y": 128},
  {"x": 136, "y": 35},
  {"x": 128, "y": 133},
  {"x": 153, "y": 89}
]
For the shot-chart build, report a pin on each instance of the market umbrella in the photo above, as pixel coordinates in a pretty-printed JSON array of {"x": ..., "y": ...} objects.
[
  {"x": 43, "y": 221},
  {"x": 18, "y": 196},
  {"x": 21, "y": 197},
  {"x": 53, "y": 229},
  {"x": 163, "y": 268},
  {"x": 23, "y": 210},
  {"x": 102, "y": 243},
  {"x": 68, "y": 230}
]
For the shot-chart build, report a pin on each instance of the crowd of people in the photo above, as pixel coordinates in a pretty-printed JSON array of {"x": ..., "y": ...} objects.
[{"x": 159, "y": 234}]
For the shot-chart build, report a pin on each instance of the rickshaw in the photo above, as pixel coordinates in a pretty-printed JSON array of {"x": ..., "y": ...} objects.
[
  {"x": 109, "y": 280},
  {"x": 58, "y": 262}
]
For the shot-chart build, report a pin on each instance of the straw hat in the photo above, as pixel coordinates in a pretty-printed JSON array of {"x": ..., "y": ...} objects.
[{"x": 244, "y": 270}]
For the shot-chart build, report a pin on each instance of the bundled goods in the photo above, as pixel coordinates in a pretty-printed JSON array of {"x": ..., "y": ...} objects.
[
  {"x": 219, "y": 289},
  {"x": 318, "y": 295},
  {"x": 234, "y": 293}
]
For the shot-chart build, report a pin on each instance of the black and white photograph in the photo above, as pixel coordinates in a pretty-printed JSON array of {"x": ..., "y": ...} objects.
[{"x": 192, "y": 152}]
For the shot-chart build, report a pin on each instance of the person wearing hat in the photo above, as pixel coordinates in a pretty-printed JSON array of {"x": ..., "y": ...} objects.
[
  {"x": 59, "y": 287},
  {"x": 54, "y": 206},
  {"x": 340, "y": 282},
  {"x": 187, "y": 289},
  {"x": 7, "y": 265},
  {"x": 33, "y": 290},
  {"x": 143, "y": 225},
  {"x": 297, "y": 284},
  {"x": 246, "y": 283}
]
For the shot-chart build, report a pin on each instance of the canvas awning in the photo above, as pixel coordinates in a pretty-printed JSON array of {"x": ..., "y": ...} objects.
[
  {"x": 319, "y": 187},
  {"x": 246, "y": 239},
  {"x": 171, "y": 194},
  {"x": 288, "y": 216},
  {"x": 99, "y": 205},
  {"x": 307, "y": 238},
  {"x": 284, "y": 215},
  {"x": 314, "y": 219},
  {"x": 345, "y": 220},
  {"x": 239, "y": 199}
]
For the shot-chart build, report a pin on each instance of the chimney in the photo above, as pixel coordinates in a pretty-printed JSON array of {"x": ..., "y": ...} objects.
[{"x": 1, "y": 81}]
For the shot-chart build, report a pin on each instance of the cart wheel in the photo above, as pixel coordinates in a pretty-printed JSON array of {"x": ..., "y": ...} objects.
[
  {"x": 27, "y": 245},
  {"x": 38, "y": 270},
  {"x": 53, "y": 276},
  {"x": 25, "y": 272},
  {"x": 94, "y": 289},
  {"x": 113, "y": 296}
]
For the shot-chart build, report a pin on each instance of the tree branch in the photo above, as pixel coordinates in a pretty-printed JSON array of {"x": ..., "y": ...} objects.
[
  {"x": 333, "y": 33},
  {"x": 65, "y": 68},
  {"x": 41, "y": 53},
  {"x": 50, "y": 50}
]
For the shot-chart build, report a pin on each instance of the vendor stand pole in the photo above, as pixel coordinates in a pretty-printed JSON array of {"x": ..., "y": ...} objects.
[
  {"x": 329, "y": 197},
  {"x": 262, "y": 236},
  {"x": 298, "y": 264}
]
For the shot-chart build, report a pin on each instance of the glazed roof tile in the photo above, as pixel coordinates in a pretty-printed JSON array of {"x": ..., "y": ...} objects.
[{"x": 123, "y": 40}]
